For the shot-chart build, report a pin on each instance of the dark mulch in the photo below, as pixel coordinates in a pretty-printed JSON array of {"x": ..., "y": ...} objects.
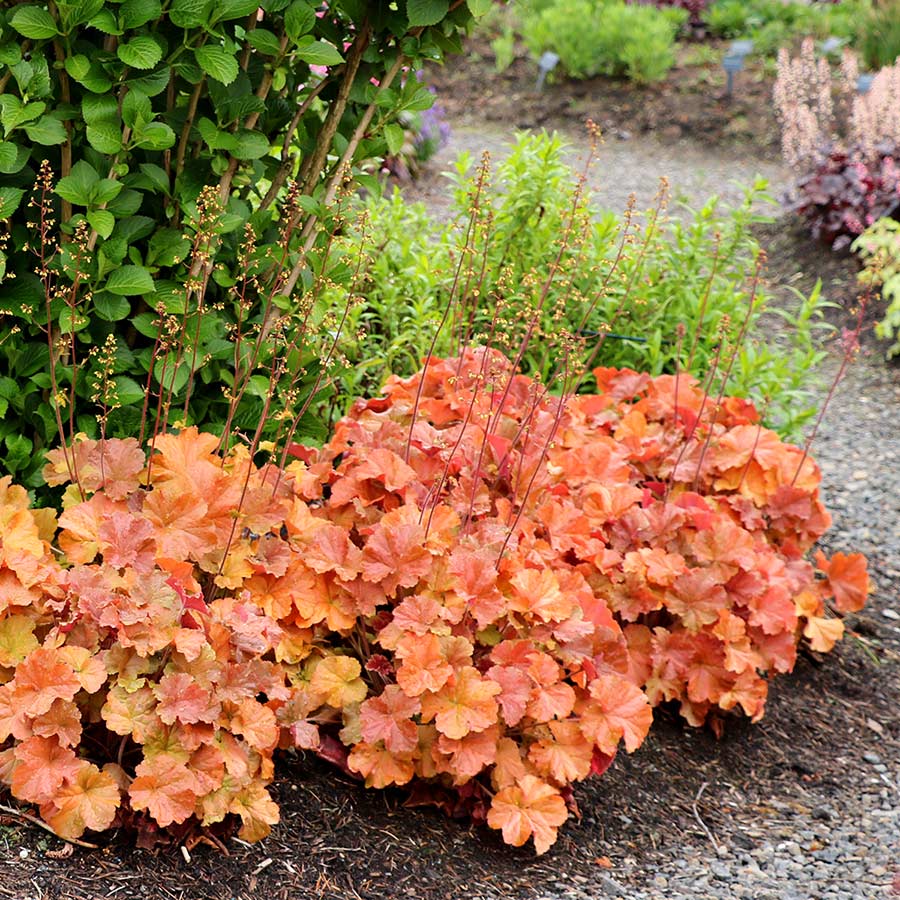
[{"x": 690, "y": 103}]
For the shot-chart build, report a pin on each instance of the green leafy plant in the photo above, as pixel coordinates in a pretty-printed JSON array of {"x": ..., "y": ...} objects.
[
  {"x": 879, "y": 246},
  {"x": 608, "y": 37},
  {"x": 670, "y": 290},
  {"x": 137, "y": 109},
  {"x": 879, "y": 40}
]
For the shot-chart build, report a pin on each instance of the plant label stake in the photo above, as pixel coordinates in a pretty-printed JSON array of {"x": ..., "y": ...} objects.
[
  {"x": 546, "y": 64},
  {"x": 734, "y": 61}
]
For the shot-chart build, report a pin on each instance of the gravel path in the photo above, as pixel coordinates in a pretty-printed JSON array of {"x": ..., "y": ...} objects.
[
  {"x": 623, "y": 166},
  {"x": 823, "y": 842}
]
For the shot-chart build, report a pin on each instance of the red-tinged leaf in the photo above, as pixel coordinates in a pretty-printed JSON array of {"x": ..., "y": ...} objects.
[
  {"x": 331, "y": 550},
  {"x": 182, "y": 528},
  {"x": 537, "y": 593},
  {"x": 848, "y": 579},
  {"x": 41, "y": 678},
  {"x": 515, "y": 691},
  {"x": 564, "y": 755},
  {"x": 62, "y": 721},
  {"x": 466, "y": 703},
  {"x": 166, "y": 788},
  {"x": 552, "y": 701},
  {"x": 601, "y": 761},
  {"x": 42, "y": 766},
  {"x": 696, "y": 598},
  {"x": 395, "y": 554},
  {"x": 423, "y": 667},
  {"x": 88, "y": 668},
  {"x": 181, "y": 698},
  {"x": 388, "y": 718},
  {"x": 379, "y": 766},
  {"x": 617, "y": 710},
  {"x": 531, "y": 808},
  {"x": 256, "y": 724},
  {"x": 469, "y": 756},
  {"x": 86, "y": 802}
]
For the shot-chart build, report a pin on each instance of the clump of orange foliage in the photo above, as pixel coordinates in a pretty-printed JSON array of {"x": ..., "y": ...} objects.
[{"x": 476, "y": 588}]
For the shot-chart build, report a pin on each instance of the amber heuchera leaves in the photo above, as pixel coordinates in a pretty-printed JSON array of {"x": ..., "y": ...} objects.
[{"x": 482, "y": 600}]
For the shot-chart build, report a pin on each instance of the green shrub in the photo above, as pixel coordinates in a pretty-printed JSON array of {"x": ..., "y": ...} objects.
[
  {"x": 642, "y": 278},
  {"x": 170, "y": 132},
  {"x": 772, "y": 24},
  {"x": 879, "y": 246},
  {"x": 604, "y": 37},
  {"x": 879, "y": 40}
]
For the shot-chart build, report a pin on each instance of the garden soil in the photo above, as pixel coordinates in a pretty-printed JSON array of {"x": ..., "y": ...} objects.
[{"x": 802, "y": 805}]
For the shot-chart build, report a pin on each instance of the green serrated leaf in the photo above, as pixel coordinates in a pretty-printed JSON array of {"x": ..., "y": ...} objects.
[
  {"x": 105, "y": 21},
  {"x": 320, "y": 53},
  {"x": 155, "y": 136},
  {"x": 10, "y": 198},
  {"x": 78, "y": 66},
  {"x": 102, "y": 222},
  {"x": 128, "y": 391},
  {"x": 250, "y": 145},
  {"x": 34, "y": 22},
  {"x": 264, "y": 41},
  {"x": 77, "y": 186},
  {"x": 47, "y": 131},
  {"x": 9, "y": 153},
  {"x": 426, "y": 12},
  {"x": 218, "y": 63},
  {"x": 129, "y": 281},
  {"x": 109, "y": 306},
  {"x": 189, "y": 13},
  {"x": 140, "y": 52},
  {"x": 156, "y": 175},
  {"x": 134, "y": 13},
  {"x": 97, "y": 109},
  {"x": 299, "y": 19},
  {"x": 395, "y": 137},
  {"x": 105, "y": 190},
  {"x": 136, "y": 109},
  {"x": 214, "y": 138},
  {"x": 105, "y": 137},
  {"x": 479, "y": 8}
]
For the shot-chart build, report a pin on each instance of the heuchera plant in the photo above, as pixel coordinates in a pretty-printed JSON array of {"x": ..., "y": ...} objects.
[{"x": 464, "y": 591}]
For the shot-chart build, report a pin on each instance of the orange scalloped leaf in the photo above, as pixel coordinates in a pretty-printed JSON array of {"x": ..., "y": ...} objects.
[
  {"x": 379, "y": 766},
  {"x": 41, "y": 678},
  {"x": 423, "y": 667},
  {"x": 388, "y": 718},
  {"x": 617, "y": 709},
  {"x": 848, "y": 579},
  {"x": 531, "y": 808},
  {"x": 258, "y": 812},
  {"x": 17, "y": 639},
  {"x": 43, "y": 765},
  {"x": 86, "y": 802},
  {"x": 563, "y": 756},
  {"x": 395, "y": 554},
  {"x": 181, "y": 697},
  {"x": 823, "y": 633},
  {"x": 336, "y": 679},
  {"x": 88, "y": 668},
  {"x": 466, "y": 703},
  {"x": 166, "y": 788}
]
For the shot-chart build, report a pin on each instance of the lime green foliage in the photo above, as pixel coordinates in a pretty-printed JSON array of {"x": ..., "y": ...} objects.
[
  {"x": 879, "y": 246},
  {"x": 138, "y": 107},
  {"x": 604, "y": 37},
  {"x": 773, "y": 23},
  {"x": 879, "y": 40},
  {"x": 641, "y": 280}
]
